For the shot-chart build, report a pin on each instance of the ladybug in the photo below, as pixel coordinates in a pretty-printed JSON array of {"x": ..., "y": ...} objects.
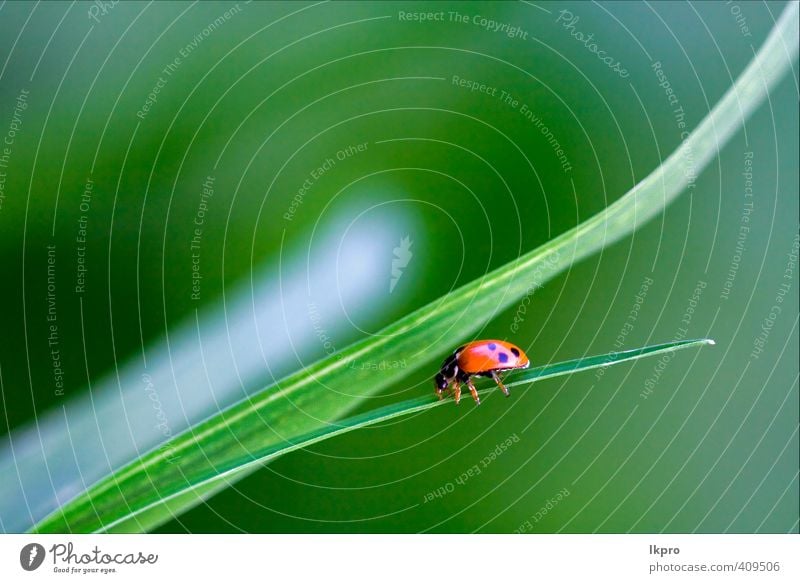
[{"x": 484, "y": 358}]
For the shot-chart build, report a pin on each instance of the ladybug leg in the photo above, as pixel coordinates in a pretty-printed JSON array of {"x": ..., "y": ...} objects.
[
  {"x": 500, "y": 384},
  {"x": 474, "y": 392},
  {"x": 457, "y": 391}
]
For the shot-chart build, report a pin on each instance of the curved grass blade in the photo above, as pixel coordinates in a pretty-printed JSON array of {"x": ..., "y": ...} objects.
[
  {"x": 387, "y": 413},
  {"x": 329, "y": 389},
  {"x": 590, "y": 362}
]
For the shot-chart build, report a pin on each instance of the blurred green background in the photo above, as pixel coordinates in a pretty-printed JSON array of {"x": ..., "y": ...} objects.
[{"x": 277, "y": 88}]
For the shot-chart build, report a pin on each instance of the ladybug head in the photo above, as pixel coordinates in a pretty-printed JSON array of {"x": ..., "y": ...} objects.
[{"x": 440, "y": 383}]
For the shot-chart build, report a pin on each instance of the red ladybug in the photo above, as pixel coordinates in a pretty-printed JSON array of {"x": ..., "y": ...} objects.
[{"x": 482, "y": 358}]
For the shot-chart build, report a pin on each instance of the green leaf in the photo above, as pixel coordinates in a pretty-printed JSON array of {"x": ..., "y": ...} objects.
[
  {"x": 165, "y": 507},
  {"x": 311, "y": 400}
]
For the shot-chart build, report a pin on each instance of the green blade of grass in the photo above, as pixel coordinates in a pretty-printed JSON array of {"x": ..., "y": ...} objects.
[
  {"x": 315, "y": 397},
  {"x": 239, "y": 466}
]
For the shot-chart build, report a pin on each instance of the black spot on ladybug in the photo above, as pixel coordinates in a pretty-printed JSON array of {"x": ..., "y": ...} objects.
[
  {"x": 492, "y": 346},
  {"x": 515, "y": 352},
  {"x": 503, "y": 357}
]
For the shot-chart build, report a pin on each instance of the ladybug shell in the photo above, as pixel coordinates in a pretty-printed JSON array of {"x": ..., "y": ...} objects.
[{"x": 488, "y": 355}]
